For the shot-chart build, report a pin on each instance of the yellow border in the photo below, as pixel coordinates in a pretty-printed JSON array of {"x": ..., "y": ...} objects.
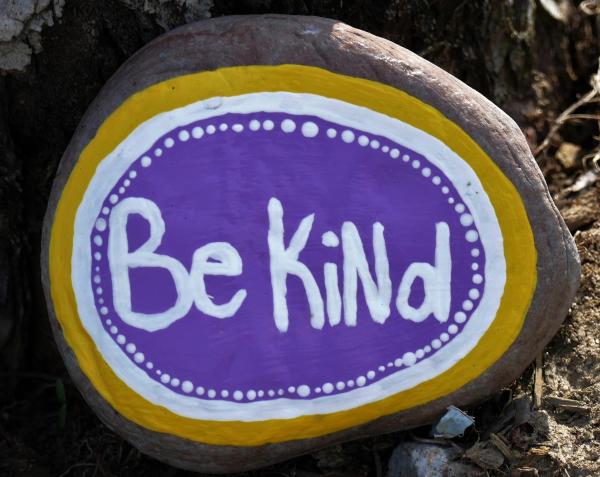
[{"x": 519, "y": 247}]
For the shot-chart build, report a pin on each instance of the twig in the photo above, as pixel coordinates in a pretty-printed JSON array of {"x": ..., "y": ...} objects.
[
  {"x": 562, "y": 118},
  {"x": 538, "y": 385}
]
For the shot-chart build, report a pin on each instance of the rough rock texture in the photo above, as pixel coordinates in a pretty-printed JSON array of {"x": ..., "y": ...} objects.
[
  {"x": 413, "y": 459},
  {"x": 21, "y": 23},
  {"x": 339, "y": 48}
]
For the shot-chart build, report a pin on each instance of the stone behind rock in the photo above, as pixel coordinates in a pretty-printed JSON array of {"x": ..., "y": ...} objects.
[{"x": 274, "y": 40}]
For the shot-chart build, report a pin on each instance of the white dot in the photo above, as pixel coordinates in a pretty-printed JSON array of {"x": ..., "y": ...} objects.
[
  {"x": 381, "y": 369},
  {"x": 475, "y": 252},
  {"x": 318, "y": 390},
  {"x": 238, "y": 395},
  {"x": 97, "y": 255},
  {"x": 350, "y": 383},
  {"x": 121, "y": 339},
  {"x": 183, "y": 135},
  {"x": 165, "y": 378},
  {"x": 133, "y": 174},
  {"x": 444, "y": 337},
  {"x": 398, "y": 362},
  {"x": 237, "y": 128},
  {"x": 390, "y": 364},
  {"x": 126, "y": 182},
  {"x": 363, "y": 140},
  {"x": 453, "y": 329},
  {"x": 254, "y": 125},
  {"x": 385, "y": 149},
  {"x": 109, "y": 322},
  {"x": 288, "y": 126},
  {"x": 471, "y": 236},
  {"x": 211, "y": 393},
  {"x": 130, "y": 348},
  {"x": 426, "y": 172},
  {"x": 327, "y": 388},
  {"x": 394, "y": 153},
  {"x": 419, "y": 353},
  {"x": 187, "y": 387},
  {"x": 175, "y": 382},
  {"x": 445, "y": 190},
  {"x": 416, "y": 164},
  {"x": 460, "y": 208},
  {"x": 159, "y": 372},
  {"x": 474, "y": 266},
  {"x": 460, "y": 317},
  {"x": 427, "y": 349},
  {"x": 197, "y": 132},
  {"x": 436, "y": 344},
  {"x": 280, "y": 392},
  {"x": 405, "y": 158},
  {"x": 347, "y": 136},
  {"x": 271, "y": 393},
  {"x": 473, "y": 293},
  {"x": 169, "y": 142},
  {"x": 467, "y": 305},
  {"x": 224, "y": 393},
  {"x": 223, "y": 127},
  {"x": 99, "y": 290},
  {"x": 310, "y": 129},
  {"x": 149, "y": 365},
  {"x": 409, "y": 359},
  {"x": 436, "y": 180},
  {"x": 292, "y": 389},
  {"x": 113, "y": 199},
  {"x": 114, "y": 330},
  {"x": 340, "y": 385},
  {"x": 303, "y": 390},
  {"x": 466, "y": 219},
  {"x": 451, "y": 200},
  {"x": 138, "y": 357},
  {"x": 210, "y": 129},
  {"x": 260, "y": 393},
  {"x": 331, "y": 133},
  {"x": 121, "y": 190},
  {"x": 477, "y": 279},
  {"x": 104, "y": 311},
  {"x": 268, "y": 125},
  {"x": 101, "y": 301},
  {"x": 375, "y": 144},
  {"x": 251, "y": 395},
  {"x": 371, "y": 374},
  {"x": 330, "y": 239},
  {"x": 200, "y": 391},
  {"x": 97, "y": 279},
  {"x": 158, "y": 152},
  {"x": 101, "y": 224},
  {"x": 361, "y": 381}
]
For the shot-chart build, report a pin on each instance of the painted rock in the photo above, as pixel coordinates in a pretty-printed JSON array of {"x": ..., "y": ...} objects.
[{"x": 271, "y": 234}]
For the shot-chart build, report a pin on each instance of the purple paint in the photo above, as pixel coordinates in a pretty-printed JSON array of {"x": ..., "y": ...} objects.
[{"x": 216, "y": 189}]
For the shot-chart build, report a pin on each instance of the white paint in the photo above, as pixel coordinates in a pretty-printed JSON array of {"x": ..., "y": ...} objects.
[
  {"x": 119, "y": 162},
  {"x": 217, "y": 258},
  {"x": 436, "y": 280},
  {"x": 284, "y": 262},
  {"x": 310, "y": 129},
  {"x": 288, "y": 126},
  {"x": 121, "y": 259},
  {"x": 377, "y": 295}
]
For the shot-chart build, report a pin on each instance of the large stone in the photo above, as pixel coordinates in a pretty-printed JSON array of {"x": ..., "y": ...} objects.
[{"x": 265, "y": 147}]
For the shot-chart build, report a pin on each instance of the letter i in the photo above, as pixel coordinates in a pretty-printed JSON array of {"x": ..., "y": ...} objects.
[{"x": 332, "y": 289}]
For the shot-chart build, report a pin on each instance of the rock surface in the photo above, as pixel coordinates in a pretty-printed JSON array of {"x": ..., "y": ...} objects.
[
  {"x": 412, "y": 459},
  {"x": 339, "y": 48}
]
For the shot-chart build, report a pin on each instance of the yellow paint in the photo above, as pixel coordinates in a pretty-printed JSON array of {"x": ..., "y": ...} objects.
[{"x": 519, "y": 247}]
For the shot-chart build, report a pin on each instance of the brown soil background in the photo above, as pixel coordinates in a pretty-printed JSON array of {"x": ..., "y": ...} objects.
[{"x": 535, "y": 59}]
